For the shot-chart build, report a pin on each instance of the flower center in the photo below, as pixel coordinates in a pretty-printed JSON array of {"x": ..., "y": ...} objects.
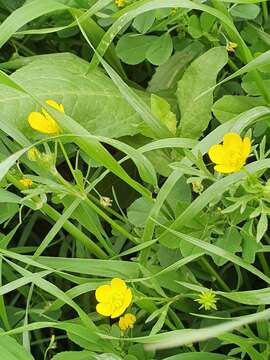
[
  {"x": 117, "y": 299},
  {"x": 235, "y": 159}
]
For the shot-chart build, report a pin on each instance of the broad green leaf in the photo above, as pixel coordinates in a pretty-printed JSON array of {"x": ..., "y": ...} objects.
[
  {"x": 144, "y": 6},
  {"x": 231, "y": 241},
  {"x": 132, "y": 48},
  {"x": 143, "y": 22},
  {"x": 249, "y": 243},
  {"x": 251, "y": 87},
  {"x": 200, "y": 75},
  {"x": 9, "y": 197},
  {"x": 11, "y": 350},
  {"x": 139, "y": 211},
  {"x": 229, "y": 106},
  {"x": 194, "y": 27},
  {"x": 90, "y": 99},
  {"x": 160, "y": 50},
  {"x": 198, "y": 356},
  {"x": 245, "y": 11},
  {"x": 162, "y": 110},
  {"x": 167, "y": 75},
  {"x": 207, "y": 21},
  {"x": 261, "y": 227},
  {"x": 74, "y": 355}
]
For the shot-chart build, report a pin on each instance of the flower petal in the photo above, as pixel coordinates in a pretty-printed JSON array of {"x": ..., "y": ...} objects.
[
  {"x": 104, "y": 309},
  {"x": 226, "y": 169},
  {"x": 217, "y": 154},
  {"x": 118, "y": 312},
  {"x": 118, "y": 284},
  {"x": 232, "y": 140},
  {"x": 128, "y": 298},
  {"x": 42, "y": 123},
  {"x": 246, "y": 147},
  {"x": 103, "y": 292},
  {"x": 55, "y": 105}
]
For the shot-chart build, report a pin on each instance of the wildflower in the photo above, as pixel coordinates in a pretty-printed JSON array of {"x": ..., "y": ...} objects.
[
  {"x": 120, "y": 3},
  {"x": 105, "y": 201},
  {"x": 113, "y": 299},
  {"x": 230, "y": 156},
  {"x": 33, "y": 154},
  {"x": 127, "y": 322},
  {"x": 26, "y": 182},
  {"x": 231, "y": 46},
  {"x": 207, "y": 300},
  {"x": 43, "y": 121}
]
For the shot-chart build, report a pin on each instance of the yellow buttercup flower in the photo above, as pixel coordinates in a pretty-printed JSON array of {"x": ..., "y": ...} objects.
[
  {"x": 127, "y": 322},
  {"x": 43, "y": 121},
  {"x": 26, "y": 182},
  {"x": 230, "y": 156},
  {"x": 207, "y": 300},
  {"x": 231, "y": 46},
  {"x": 120, "y": 3},
  {"x": 113, "y": 299}
]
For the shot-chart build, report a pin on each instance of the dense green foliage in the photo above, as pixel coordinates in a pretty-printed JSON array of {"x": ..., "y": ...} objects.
[{"x": 126, "y": 189}]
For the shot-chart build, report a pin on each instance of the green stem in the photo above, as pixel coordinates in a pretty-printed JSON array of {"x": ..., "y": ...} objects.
[
  {"x": 75, "y": 232},
  {"x": 264, "y": 264},
  {"x": 68, "y": 162},
  {"x": 108, "y": 209},
  {"x": 111, "y": 222},
  {"x": 232, "y": 65},
  {"x": 24, "y": 49},
  {"x": 68, "y": 226},
  {"x": 3, "y": 312},
  {"x": 213, "y": 272},
  {"x": 265, "y": 11}
]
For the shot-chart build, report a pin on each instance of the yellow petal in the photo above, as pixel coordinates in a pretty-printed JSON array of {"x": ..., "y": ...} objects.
[
  {"x": 128, "y": 298},
  {"x": 55, "y": 105},
  {"x": 104, "y": 309},
  {"x": 217, "y": 154},
  {"x": 45, "y": 125},
  {"x": 232, "y": 140},
  {"x": 118, "y": 284},
  {"x": 103, "y": 293},
  {"x": 118, "y": 312},
  {"x": 225, "y": 169},
  {"x": 246, "y": 147},
  {"x": 123, "y": 324}
]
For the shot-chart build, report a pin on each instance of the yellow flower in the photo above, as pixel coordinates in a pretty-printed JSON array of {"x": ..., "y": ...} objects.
[
  {"x": 114, "y": 299},
  {"x": 120, "y": 3},
  {"x": 26, "y": 182},
  {"x": 231, "y": 46},
  {"x": 43, "y": 121},
  {"x": 127, "y": 322},
  {"x": 207, "y": 300},
  {"x": 230, "y": 156}
]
